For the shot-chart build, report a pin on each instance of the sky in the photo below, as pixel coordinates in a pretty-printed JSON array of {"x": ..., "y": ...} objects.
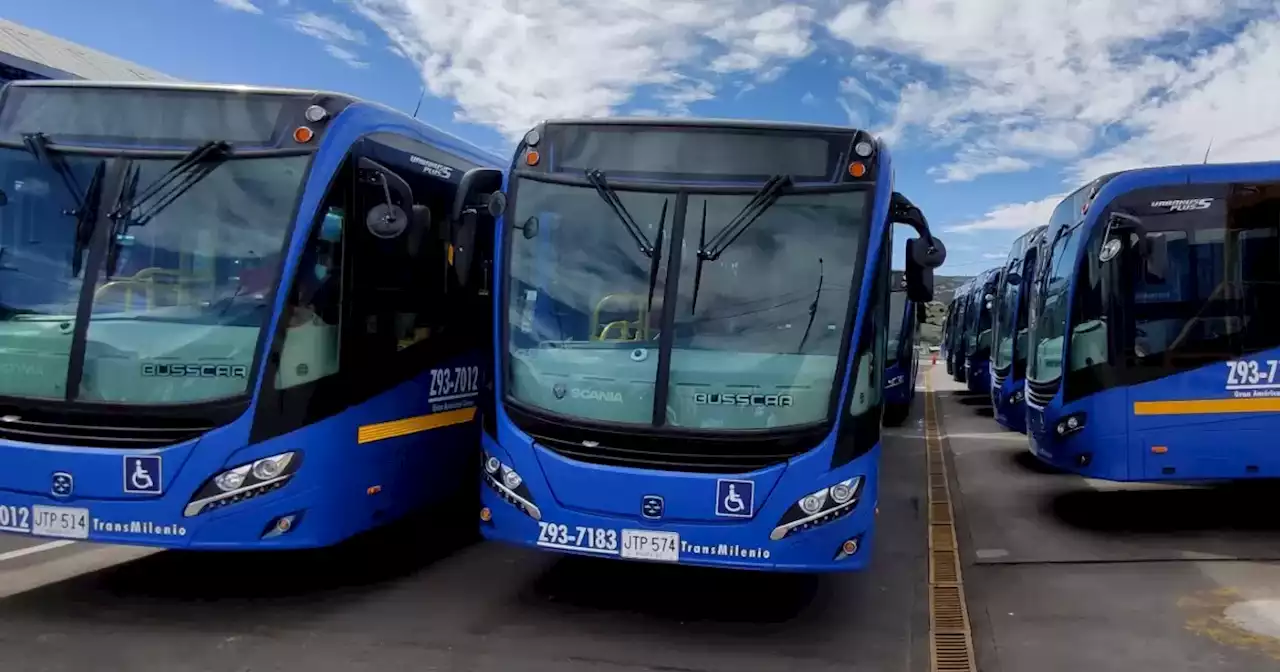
[{"x": 994, "y": 109}]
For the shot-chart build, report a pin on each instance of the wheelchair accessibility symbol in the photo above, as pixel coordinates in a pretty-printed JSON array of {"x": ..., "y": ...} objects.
[
  {"x": 735, "y": 499},
  {"x": 142, "y": 474}
]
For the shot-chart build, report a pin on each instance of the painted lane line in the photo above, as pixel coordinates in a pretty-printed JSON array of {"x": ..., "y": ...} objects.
[{"x": 32, "y": 550}]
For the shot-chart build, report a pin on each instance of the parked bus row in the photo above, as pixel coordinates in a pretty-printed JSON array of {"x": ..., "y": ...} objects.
[
  {"x": 240, "y": 318},
  {"x": 1132, "y": 341}
]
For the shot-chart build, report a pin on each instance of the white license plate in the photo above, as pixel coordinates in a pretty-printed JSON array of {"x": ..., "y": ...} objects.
[
  {"x": 60, "y": 521},
  {"x": 650, "y": 545}
]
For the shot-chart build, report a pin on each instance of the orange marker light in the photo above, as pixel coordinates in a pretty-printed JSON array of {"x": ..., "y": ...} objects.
[
  {"x": 373, "y": 490},
  {"x": 486, "y": 515},
  {"x": 303, "y": 135},
  {"x": 1159, "y": 450},
  {"x": 532, "y": 157},
  {"x": 857, "y": 169}
]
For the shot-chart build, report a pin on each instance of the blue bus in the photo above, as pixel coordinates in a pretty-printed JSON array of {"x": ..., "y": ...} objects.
[
  {"x": 902, "y": 363},
  {"x": 1154, "y": 348},
  {"x": 977, "y": 331},
  {"x": 692, "y": 317},
  {"x": 955, "y": 338},
  {"x": 1009, "y": 354},
  {"x": 235, "y": 318}
]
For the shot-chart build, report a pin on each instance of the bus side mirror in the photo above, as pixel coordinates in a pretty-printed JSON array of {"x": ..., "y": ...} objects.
[
  {"x": 386, "y": 220},
  {"x": 476, "y": 189},
  {"x": 919, "y": 277},
  {"x": 1119, "y": 227}
]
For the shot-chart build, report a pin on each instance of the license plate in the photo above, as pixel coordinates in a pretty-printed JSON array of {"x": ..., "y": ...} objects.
[
  {"x": 60, "y": 521},
  {"x": 651, "y": 545}
]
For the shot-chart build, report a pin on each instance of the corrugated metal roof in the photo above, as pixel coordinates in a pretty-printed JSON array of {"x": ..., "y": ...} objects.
[{"x": 28, "y": 46}]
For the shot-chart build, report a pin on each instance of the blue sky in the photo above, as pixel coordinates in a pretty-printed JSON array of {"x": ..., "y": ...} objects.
[{"x": 995, "y": 109}]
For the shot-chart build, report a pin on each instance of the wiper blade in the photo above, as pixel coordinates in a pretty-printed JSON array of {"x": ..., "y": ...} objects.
[
  {"x": 813, "y": 309},
  {"x": 654, "y": 258},
  {"x": 597, "y": 180},
  {"x": 762, "y": 200},
  {"x": 86, "y": 201},
  {"x": 195, "y": 166},
  {"x": 133, "y": 209}
]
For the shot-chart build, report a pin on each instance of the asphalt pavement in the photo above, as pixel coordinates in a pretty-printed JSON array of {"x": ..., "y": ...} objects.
[{"x": 1060, "y": 573}]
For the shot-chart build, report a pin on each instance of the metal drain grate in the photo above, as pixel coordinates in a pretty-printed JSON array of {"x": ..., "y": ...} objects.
[
  {"x": 951, "y": 640},
  {"x": 945, "y": 568}
]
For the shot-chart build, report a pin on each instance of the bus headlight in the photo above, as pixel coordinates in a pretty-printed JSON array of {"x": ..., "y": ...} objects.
[
  {"x": 819, "y": 508},
  {"x": 244, "y": 482},
  {"x": 1016, "y": 397},
  {"x": 1070, "y": 425},
  {"x": 505, "y": 481}
]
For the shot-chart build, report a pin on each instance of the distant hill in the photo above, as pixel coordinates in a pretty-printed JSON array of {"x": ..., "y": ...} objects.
[
  {"x": 936, "y": 311},
  {"x": 945, "y": 285}
]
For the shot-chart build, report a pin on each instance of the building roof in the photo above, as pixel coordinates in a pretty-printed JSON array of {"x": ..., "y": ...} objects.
[{"x": 54, "y": 57}]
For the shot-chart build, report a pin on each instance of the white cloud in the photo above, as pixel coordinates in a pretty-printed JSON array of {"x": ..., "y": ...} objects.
[
  {"x": 1029, "y": 80},
  {"x": 345, "y": 55},
  {"x": 326, "y": 28},
  {"x": 240, "y": 6},
  {"x": 1013, "y": 216},
  {"x": 970, "y": 164},
  {"x": 994, "y": 255},
  {"x": 511, "y": 63},
  {"x": 338, "y": 37},
  {"x": 808, "y": 99},
  {"x": 1230, "y": 95}
]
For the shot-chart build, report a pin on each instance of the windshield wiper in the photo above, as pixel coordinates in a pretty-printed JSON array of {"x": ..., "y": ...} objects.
[
  {"x": 813, "y": 309},
  {"x": 650, "y": 250},
  {"x": 131, "y": 209},
  {"x": 596, "y": 179},
  {"x": 86, "y": 201},
  {"x": 762, "y": 200},
  {"x": 190, "y": 169}
]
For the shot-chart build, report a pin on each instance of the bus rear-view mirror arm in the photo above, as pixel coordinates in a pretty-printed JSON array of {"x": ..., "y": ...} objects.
[{"x": 1118, "y": 225}]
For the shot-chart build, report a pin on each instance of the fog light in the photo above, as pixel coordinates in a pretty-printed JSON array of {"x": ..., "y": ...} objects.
[
  {"x": 485, "y": 515},
  {"x": 849, "y": 547},
  {"x": 281, "y": 526}
]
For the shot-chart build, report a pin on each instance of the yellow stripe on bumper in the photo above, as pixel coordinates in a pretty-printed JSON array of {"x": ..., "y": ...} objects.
[
  {"x": 418, "y": 423},
  {"x": 1207, "y": 406}
]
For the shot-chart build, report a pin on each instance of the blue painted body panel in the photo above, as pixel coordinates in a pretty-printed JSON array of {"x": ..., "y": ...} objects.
[
  {"x": 578, "y": 494},
  {"x": 1117, "y": 444},
  {"x": 1010, "y": 415},
  {"x": 330, "y": 490}
]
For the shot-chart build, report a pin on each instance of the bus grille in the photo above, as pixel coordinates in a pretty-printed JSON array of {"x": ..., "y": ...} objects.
[
  {"x": 1040, "y": 394},
  {"x": 95, "y": 430},
  {"x": 699, "y": 455},
  {"x": 997, "y": 380}
]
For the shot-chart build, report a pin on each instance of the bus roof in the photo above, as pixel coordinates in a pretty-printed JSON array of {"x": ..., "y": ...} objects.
[
  {"x": 705, "y": 122},
  {"x": 431, "y": 133}
]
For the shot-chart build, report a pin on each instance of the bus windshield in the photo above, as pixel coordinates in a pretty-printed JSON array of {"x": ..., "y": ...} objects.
[
  {"x": 1005, "y": 327},
  {"x": 897, "y": 320},
  {"x": 756, "y": 332},
  {"x": 177, "y": 316},
  {"x": 1045, "y": 362}
]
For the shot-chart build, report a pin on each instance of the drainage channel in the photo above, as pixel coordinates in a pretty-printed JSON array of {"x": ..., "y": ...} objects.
[{"x": 950, "y": 635}]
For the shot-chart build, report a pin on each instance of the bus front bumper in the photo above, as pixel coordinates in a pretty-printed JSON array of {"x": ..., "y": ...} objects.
[{"x": 841, "y": 542}]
